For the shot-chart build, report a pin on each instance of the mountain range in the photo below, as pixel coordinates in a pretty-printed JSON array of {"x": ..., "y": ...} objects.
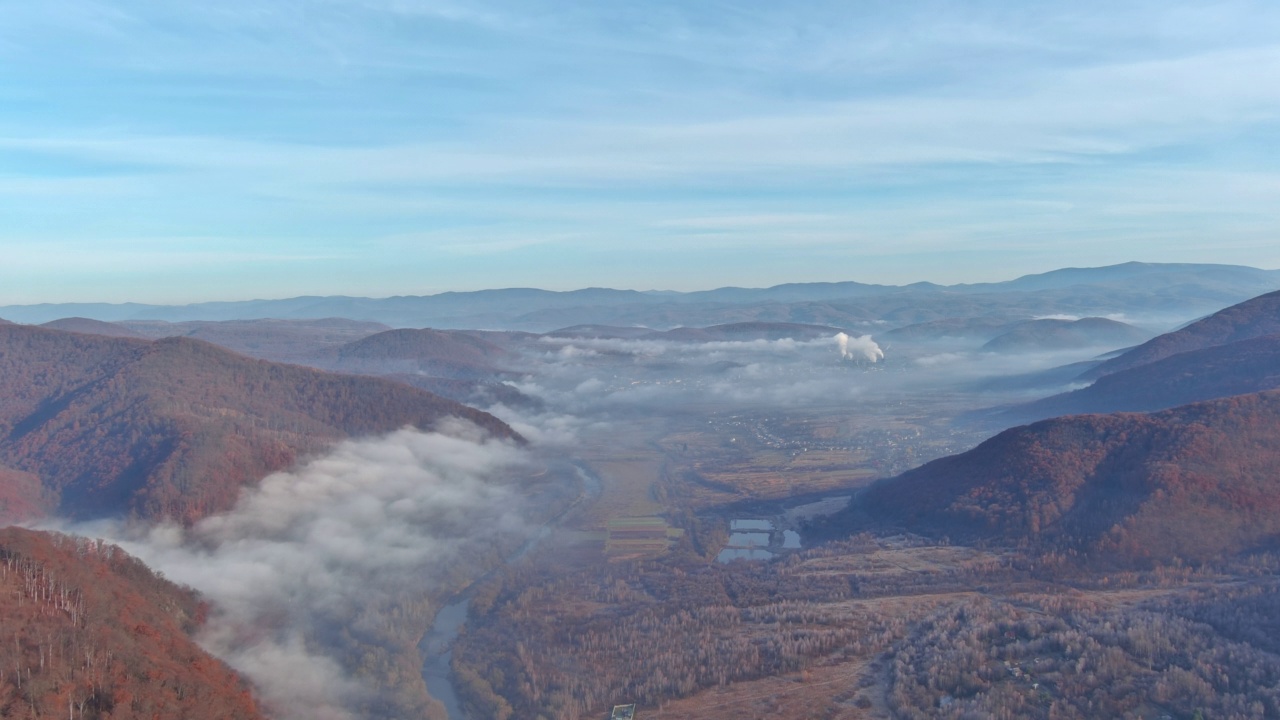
[
  {"x": 728, "y": 332},
  {"x": 1132, "y": 289},
  {"x": 295, "y": 341},
  {"x": 166, "y": 418}
]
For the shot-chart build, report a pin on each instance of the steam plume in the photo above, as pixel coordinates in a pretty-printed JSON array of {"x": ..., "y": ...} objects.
[{"x": 860, "y": 347}]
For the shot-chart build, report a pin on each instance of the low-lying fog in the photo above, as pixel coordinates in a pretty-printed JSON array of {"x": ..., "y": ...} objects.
[
  {"x": 322, "y": 551},
  {"x": 317, "y": 554},
  {"x": 589, "y": 378}
]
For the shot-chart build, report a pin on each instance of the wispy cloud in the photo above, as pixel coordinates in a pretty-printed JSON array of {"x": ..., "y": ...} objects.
[
  {"x": 485, "y": 128},
  {"x": 1069, "y": 115}
]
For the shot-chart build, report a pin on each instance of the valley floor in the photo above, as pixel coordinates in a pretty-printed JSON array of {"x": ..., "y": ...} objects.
[{"x": 870, "y": 627}]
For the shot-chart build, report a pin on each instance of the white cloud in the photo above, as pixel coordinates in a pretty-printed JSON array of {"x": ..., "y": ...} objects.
[
  {"x": 794, "y": 129},
  {"x": 370, "y": 521}
]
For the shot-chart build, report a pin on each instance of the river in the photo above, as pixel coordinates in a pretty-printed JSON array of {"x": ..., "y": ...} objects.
[
  {"x": 437, "y": 655},
  {"x": 436, "y": 647}
]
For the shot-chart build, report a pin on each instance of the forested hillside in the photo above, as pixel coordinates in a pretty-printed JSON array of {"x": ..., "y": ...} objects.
[
  {"x": 92, "y": 327},
  {"x": 293, "y": 341},
  {"x": 1220, "y": 371},
  {"x": 1196, "y": 483},
  {"x": 90, "y": 632},
  {"x": 21, "y": 496},
  {"x": 432, "y": 352},
  {"x": 175, "y": 427},
  {"x": 1252, "y": 318}
]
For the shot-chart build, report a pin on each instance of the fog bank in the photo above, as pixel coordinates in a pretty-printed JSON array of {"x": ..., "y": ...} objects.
[{"x": 305, "y": 559}]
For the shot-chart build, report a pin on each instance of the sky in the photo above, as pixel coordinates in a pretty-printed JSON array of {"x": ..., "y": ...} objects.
[{"x": 172, "y": 152}]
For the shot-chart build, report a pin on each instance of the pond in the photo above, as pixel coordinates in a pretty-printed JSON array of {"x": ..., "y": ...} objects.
[
  {"x": 730, "y": 554},
  {"x": 749, "y": 539}
]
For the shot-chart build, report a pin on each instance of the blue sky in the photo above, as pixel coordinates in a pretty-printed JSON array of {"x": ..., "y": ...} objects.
[{"x": 162, "y": 151}]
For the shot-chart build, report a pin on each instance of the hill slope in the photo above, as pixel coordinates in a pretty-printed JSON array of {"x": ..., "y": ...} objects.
[
  {"x": 295, "y": 341},
  {"x": 21, "y": 497},
  {"x": 94, "y": 633},
  {"x": 433, "y": 352},
  {"x": 1197, "y": 482},
  {"x": 1049, "y": 334},
  {"x": 1250, "y": 319},
  {"x": 91, "y": 327},
  {"x": 173, "y": 428},
  {"x": 981, "y": 328},
  {"x": 1221, "y": 371}
]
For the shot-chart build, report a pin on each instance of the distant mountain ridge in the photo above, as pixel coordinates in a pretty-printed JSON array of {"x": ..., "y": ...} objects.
[
  {"x": 296, "y": 341},
  {"x": 92, "y": 327},
  {"x": 1052, "y": 334},
  {"x": 981, "y": 329},
  {"x": 729, "y": 332},
  {"x": 1133, "y": 275},
  {"x": 446, "y": 354},
  {"x": 597, "y": 332},
  {"x": 748, "y": 331},
  {"x": 1183, "y": 289}
]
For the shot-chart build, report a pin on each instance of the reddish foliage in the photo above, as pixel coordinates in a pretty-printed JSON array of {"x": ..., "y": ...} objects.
[
  {"x": 1196, "y": 483},
  {"x": 1249, "y": 319},
  {"x": 1233, "y": 369},
  {"x": 86, "y": 631},
  {"x": 175, "y": 427},
  {"x": 21, "y": 496}
]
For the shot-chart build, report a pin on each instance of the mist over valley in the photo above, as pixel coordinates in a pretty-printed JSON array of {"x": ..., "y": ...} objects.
[
  {"x": 705, "y": 519},
  {"x": 498, "y": 360}
]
